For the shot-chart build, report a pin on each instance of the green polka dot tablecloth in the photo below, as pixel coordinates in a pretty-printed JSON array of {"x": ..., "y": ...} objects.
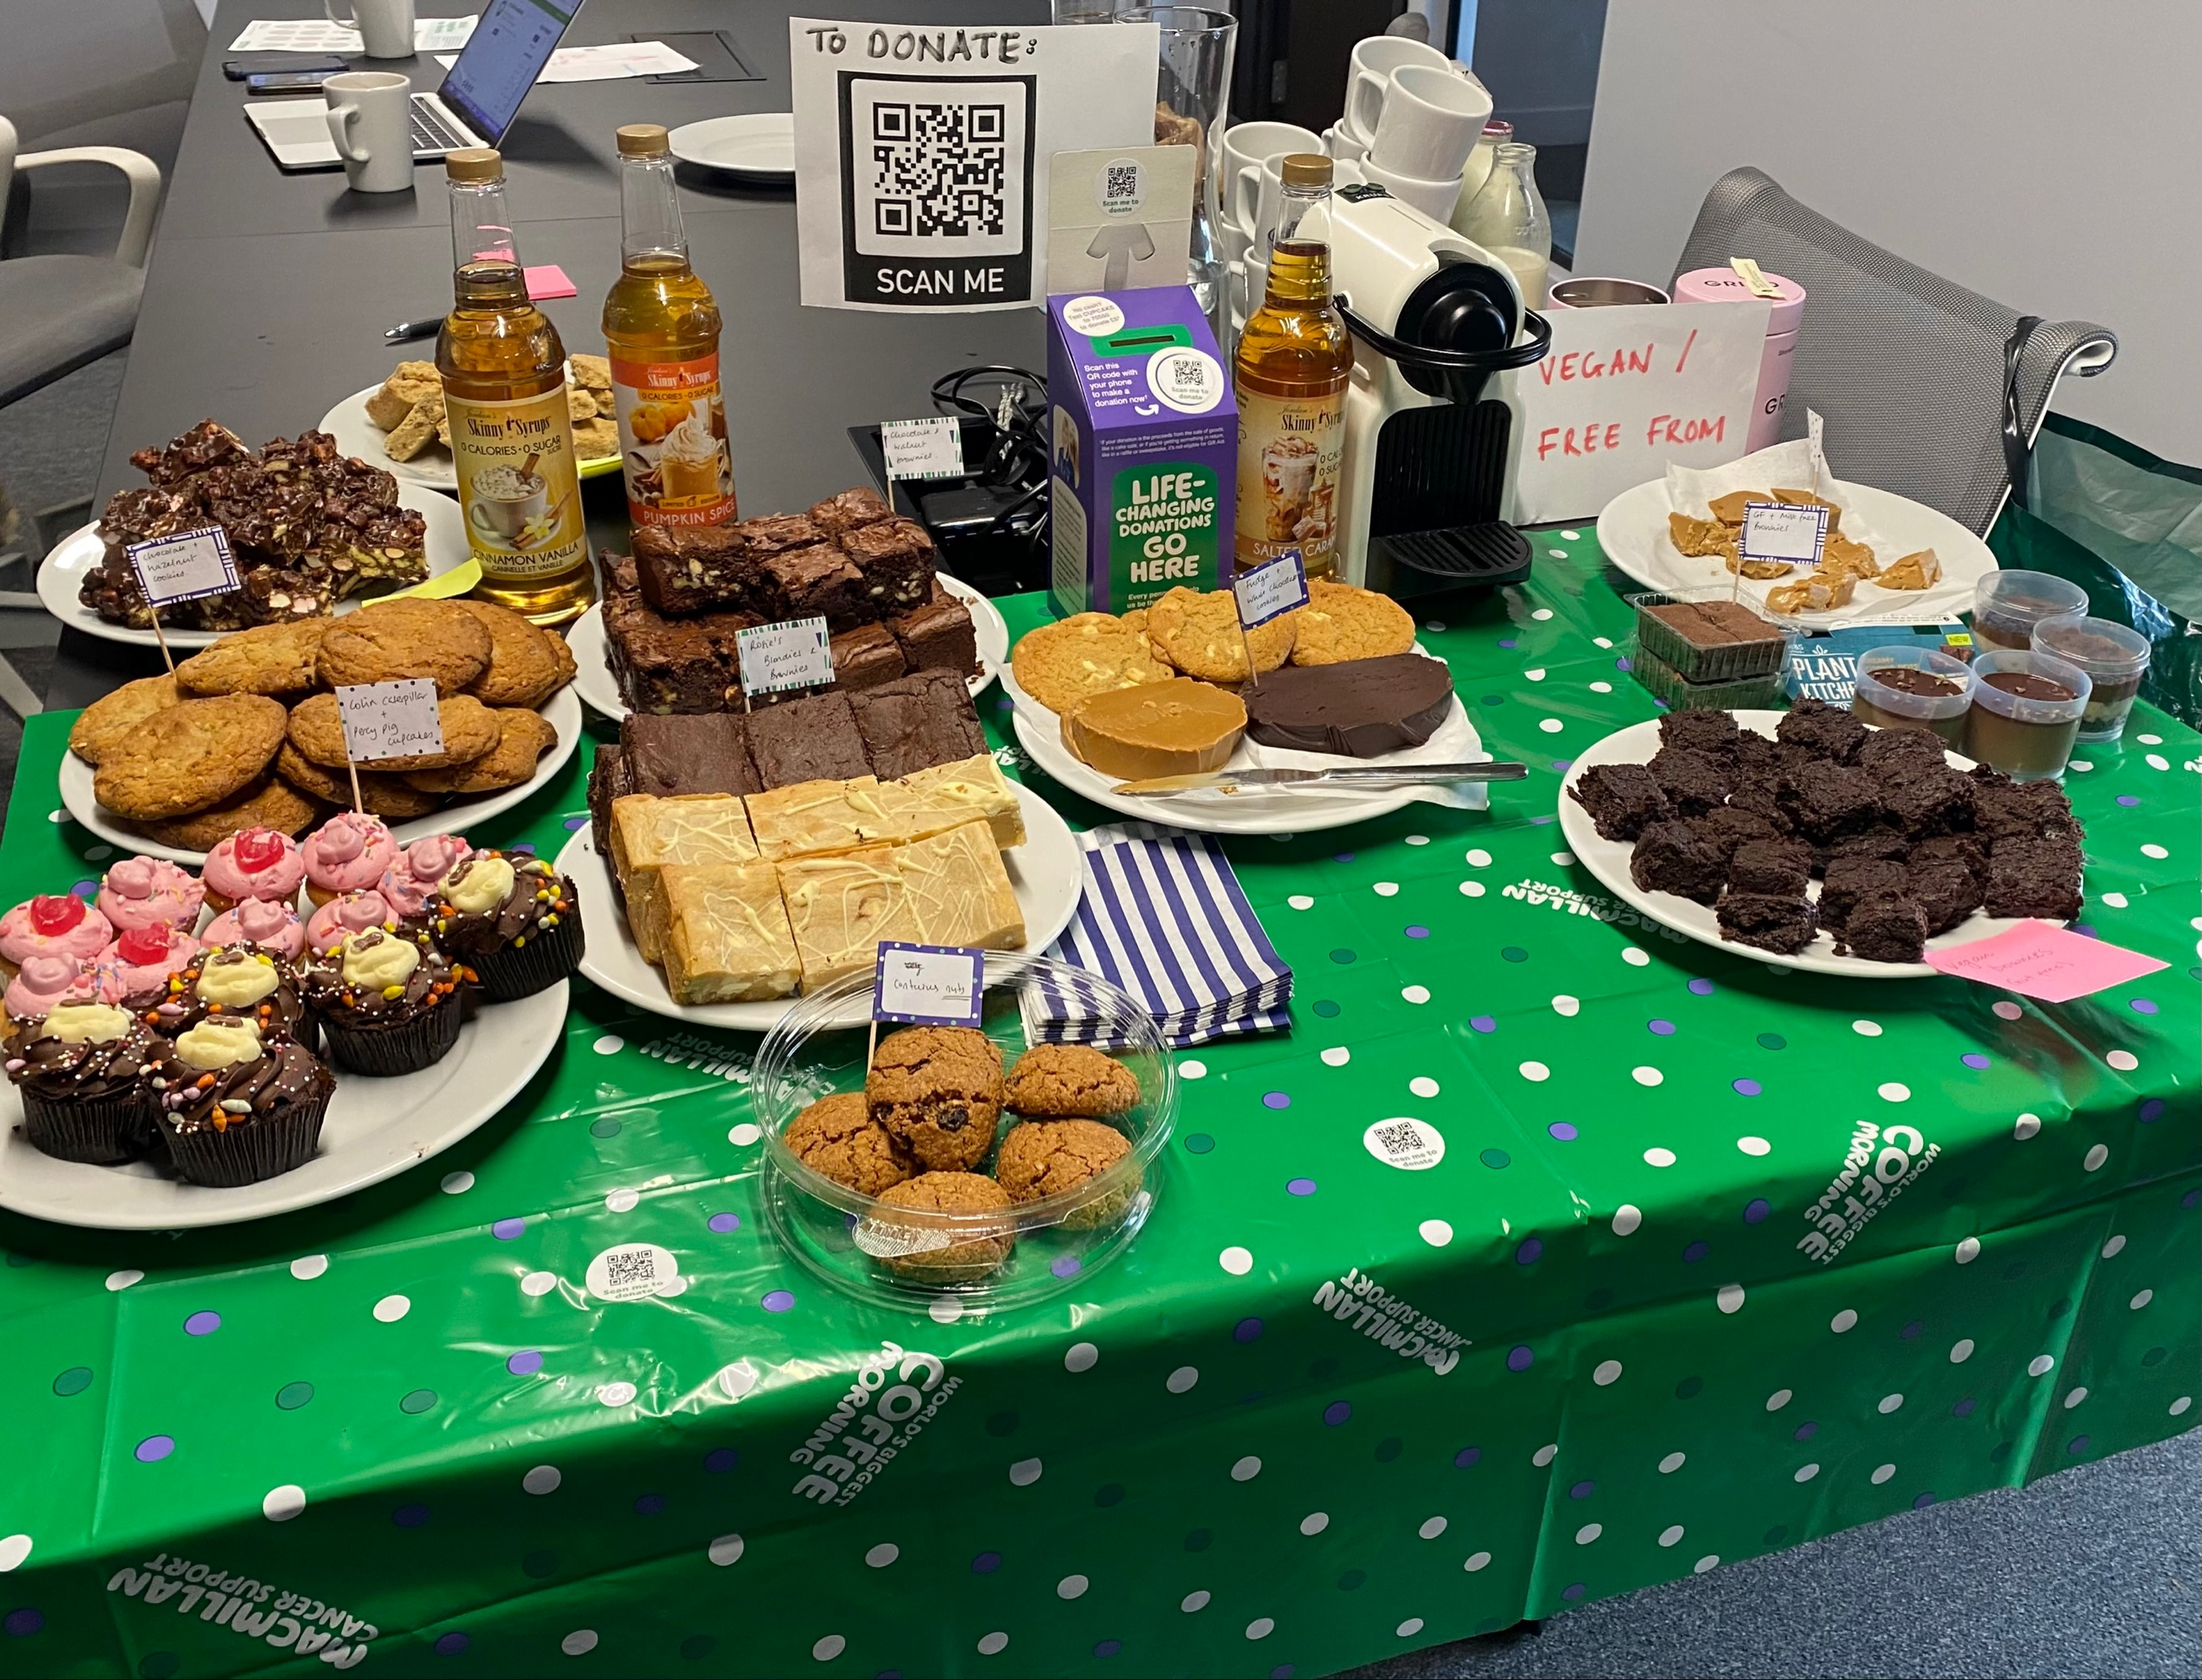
[{"x": 1686, "y": 1260}]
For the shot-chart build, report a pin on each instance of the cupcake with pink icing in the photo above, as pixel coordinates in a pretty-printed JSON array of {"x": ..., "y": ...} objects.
[
  {"x": 253, "y": 863},
  {"x": 410, "y": 884},
  {"x": 142, "y": 960},
  {"x": 149, "y": 892},
  {"x": 354, "y": 912},
  {"x": 346, "y": 854},
  {"x": 274, "y": 928},
  {"x": 51, "y": 925},
  {"x": 43, "y": 982}
]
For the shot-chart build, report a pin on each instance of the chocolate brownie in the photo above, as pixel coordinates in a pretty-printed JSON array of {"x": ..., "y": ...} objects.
[
  {"x": 1772, "y": 868},
  {"x": 1825, "y": 802},
  {"x": 917, "y": 721},
  {"x": 1890, "y": 754},
  {"x": 939, "y": 635},
  {"x": 1963, "y": 848},
  {"x": 2035, "y": 877},
  {"x": 1755, "y": 756},
  {"x": 1671, "y": 858},
  {"x": 2004, "y": 809},
  {"x": 1929, "y": 801},
  {"x": 1822, "y": 730},
  {"x": 1621, "y": 799},
  {"x": 687, "y": 569},
  {"x": 611, "y": 777},
  {"x": 1773, "y": 922},
  {"x": 847, "y": 510},
  {"x": 777, "y": 533},
  {"x": 1884, "y": 927},
  {"x": 1761, "y": 795},
  {"x": 866, "y": 656},
  {"x": 1851, "y": 879},
  {"x": 1712, "y": 733},
  {"x": 896, "y": 558},
  {"x": 819, "y": 581},
  {"x": 807, "y": 740},
  {"x": 663, "y": 665},
  {"x": 1947, "y": 891},
  {"x": 1730, "y": 826},
  {"x": 670, "y": 756},
  {"x": 1693, "y": 782}
]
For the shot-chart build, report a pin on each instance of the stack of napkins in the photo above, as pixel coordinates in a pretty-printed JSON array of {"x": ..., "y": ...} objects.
[{"x": 1164, "y": 919}]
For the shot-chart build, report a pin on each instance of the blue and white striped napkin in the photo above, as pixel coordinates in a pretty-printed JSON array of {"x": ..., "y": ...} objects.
[{"x": 1164, "y": 917}]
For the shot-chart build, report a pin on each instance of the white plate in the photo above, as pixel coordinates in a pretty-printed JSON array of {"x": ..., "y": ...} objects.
[
  {"x": 357, "y": 435},
  {"x": 1632, "y": 531},
  {"x": 375, "y": 1128},
  {"x": 1608, "y": 859},
  {"x": 82, "y": 551},
  {"x": 597, "y": 685},
  {"x": 561, "y": 711},
  {"x": 761, "y": 144},
  {"x": 1048, "y": 873}
]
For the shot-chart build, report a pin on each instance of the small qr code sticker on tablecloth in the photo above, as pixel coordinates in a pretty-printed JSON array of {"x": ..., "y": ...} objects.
[
  {"x": 633, "y": 1273},
  {"x": 1404, "y": 1142}
]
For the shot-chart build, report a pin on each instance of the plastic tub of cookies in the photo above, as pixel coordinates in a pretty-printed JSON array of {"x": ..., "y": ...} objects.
[
  {"x": 994, "y": 1165},
  {"x": 1702, "y": 636}
]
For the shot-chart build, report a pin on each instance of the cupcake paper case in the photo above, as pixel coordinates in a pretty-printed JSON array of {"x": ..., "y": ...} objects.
[
  {"x": 514, "y": 919},
  {"x": 389, "y": 1006},
  {"x": 83, "y": 1073},
  {"x": 274, "y": 928},
  {"x": 236, "y": 1111},
  {"x": 346, "y": 854},
  {"x": 51, "y": 925},
  {"x": 254, "y": 863},
  {"x": 149, "y": 892}
]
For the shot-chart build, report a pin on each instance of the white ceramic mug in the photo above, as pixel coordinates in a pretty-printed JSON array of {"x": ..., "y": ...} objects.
[
  {"x": 1248, "y": 145},
  {"x": 385, "y": 27},
  {"x": 1368, "y": 80},
  {"x": 1256, "y": 192},
  {"x": 1434, "y": 198},
  {"x": 371, "y": 122},
  {"x": 1430, "y": 122},
  {"x": 1341, "y": 145}
]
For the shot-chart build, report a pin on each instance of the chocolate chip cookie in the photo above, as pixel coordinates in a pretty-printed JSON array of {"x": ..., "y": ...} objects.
[
  {"x": 190, "y": 756},
  {"x": 409, "y": 637},
  {"x": 1070, "y": 1082},
  {"x": 527, "y": 664},
  {"x": 271, "y": 658},
  {"x": 837, "y": 1137},
  {"x": 470, "y": 730},
  {"x": 115, "y": 714},
  {"x": 960, "y": 1251},
  {"x": 937, "y": 1092}
]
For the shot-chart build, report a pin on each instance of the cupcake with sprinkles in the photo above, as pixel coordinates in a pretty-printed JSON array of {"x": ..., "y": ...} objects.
[
  {"x": 388, "y": 1006},
  {"x": 83, "y": 1071},
  {"x": 346, "y": 854},
  {"x": 254, "y": 863},
  {"x": 143, "y": 960},
  {"x": 353, "y": 912},
  {"x": 149, "y": 892},
  {"x": 52, "y": 924},
  {"x": 237, "y": 1109},
  {"x": 513, "y": 919},
  {"x": 43, "y": 983},
  {"x": 262, "y": 923},
  {"x": 410, "y": 885},
  {"x": 234, "y": 982}
]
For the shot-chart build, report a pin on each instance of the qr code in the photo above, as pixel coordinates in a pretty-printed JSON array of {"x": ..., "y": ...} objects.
[
  {"x": 1122, "y": 184},
  {"x": 626, "y": 1267},
  {"x": 1401, "y": 1137},
  {"x": 938, "y": 169}
]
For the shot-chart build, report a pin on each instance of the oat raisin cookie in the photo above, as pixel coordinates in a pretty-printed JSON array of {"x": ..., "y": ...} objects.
[
  {"x": 270, "y": 802},
  {"x": 1070, "y": 1082},
  {"x": 937, "y": 1092},
  {"x": 524, "y": 738},
  {"x": 1199, "y": 635},
  {"x": 1043, "y": 1158},
  {"x": 406, "y": 637},
  {"x": 964, "y": 1253},
  {"x": 115, "y": 714},
  {"x": 271, "y": 658},
  {"x": 190, "y": 756},
  {"x": 837, "y": 1139},
  {"x": 470, "y": 729},
  {"x": 1061, "y": 664},
  {"x": 1340, "y": 622},
  {"x": 526, "y": 664},
  {"x": 392, "y": 798}
]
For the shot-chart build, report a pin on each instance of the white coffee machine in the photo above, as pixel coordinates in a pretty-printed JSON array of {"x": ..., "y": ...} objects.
[{"x": 1432, "y": 434}]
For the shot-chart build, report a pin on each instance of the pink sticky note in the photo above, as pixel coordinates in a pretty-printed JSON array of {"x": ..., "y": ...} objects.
[
  {"x": 2039, "y": 959},
  {"x": 549, "y": 281}
]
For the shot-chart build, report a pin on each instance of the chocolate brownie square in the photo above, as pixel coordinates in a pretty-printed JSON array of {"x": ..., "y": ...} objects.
[
  {"x": 1929, "y": 801},
  {"x": 1712, "y": 733},
  {"x": 611, "y": 777},
  {"x": 1884, "y": 927},
  {"x": 777, "y": 533},
  {"x": 819, "y": 581},
  {"x": 1961, "y": 848},
  {"x": 896, "y": 558},
  {"x": 1821, "y": 730},
  {"x": 1693, "y": 783},
  {"x": 938, "y": 635},
  {"x": 918, "y": 721},
  {"x": 663, "y": 665},
  {"x": 1755, "y": 755},
  {"x": 866, "y": 656},
  {"x": 1671, "y": 858},
  {"x": 1762, "y": 797},
  {"x": 1891, "y": 754},
  {"x": 810, "y": 740},
  {"x": 1947, "y": 891},
  {"x": 668, "y": 755},
  {"x": 2004, "y": 809},
  {"x": 1851, "y": 879},
  {"x": 1773, "y": 922},
  {"x": 2035, "y": 877},
  {"x": 1729, "y": 826},
  {"x": 1621, "y": 799},
  {"x": 1825, "y": 802},
  {"x": 688, "y": 569},
  {"x": 849, "y": 509},
  {"x": 1770, "y": 868}
]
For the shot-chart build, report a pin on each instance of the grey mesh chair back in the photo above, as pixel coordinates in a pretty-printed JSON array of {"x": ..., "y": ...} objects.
[{"x": 1908, "y": 371}]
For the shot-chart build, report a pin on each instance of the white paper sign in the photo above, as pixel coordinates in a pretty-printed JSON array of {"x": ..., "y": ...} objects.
[
  {"x": 190, "y": 565},
  {"x": 1119, "y": 219},
  {"x": 1623, "y": 391},
  {"x": 920, "y": 182},
  {"x": 1778, "y": 531},
  {"x": 931, "y": 448},
  {"x": 1269, "y": 589},
  {"x": 397, "y": 720},
  {"x": 941, "y": 985},
  {"x": 794, "y": 654}
]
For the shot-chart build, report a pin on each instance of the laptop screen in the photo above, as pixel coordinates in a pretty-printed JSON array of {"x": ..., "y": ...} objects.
[{"x": 501, "y": 60}]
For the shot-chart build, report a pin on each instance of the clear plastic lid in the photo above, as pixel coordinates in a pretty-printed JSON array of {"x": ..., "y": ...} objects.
[
  {"x": 2013, "y": 602},
  {"x": 1902, "y": 702},
  {"x": 2102, "y": 647},
  {"x": 2023, "y": 708}
]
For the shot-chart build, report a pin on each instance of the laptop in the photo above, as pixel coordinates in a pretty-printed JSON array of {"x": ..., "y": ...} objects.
[{"x": 475, "y": 106}]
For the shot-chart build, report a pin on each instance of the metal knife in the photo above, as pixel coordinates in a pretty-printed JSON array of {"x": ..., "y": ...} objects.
[{"x": 1371, "y": 775}]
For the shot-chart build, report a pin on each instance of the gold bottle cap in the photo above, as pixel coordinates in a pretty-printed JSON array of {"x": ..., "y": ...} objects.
[
  {"x": 473, "y": 163},
  {"x": 643, "y": 140},
  {"x": 1305, "y": 169}
]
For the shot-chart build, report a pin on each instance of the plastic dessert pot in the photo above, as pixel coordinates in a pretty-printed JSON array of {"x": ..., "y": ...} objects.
[
  {"x": 1912, "y": 687},
  {"x": 2025, "y": 713},
  {"x": 2007, "y": 605},
  {"x": 876, "y": 1252},
  {"x": 2115, "y": 658}
]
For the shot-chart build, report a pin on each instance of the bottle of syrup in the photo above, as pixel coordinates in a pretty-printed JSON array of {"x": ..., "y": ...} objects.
[
  {"x": 661, "y": 327},
  {"x": 504, "y": 393},
  {"x": 1290, "y": 374}
]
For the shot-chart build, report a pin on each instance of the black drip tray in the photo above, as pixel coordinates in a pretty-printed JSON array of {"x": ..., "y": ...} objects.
[{"x": 1460, "y": 556}]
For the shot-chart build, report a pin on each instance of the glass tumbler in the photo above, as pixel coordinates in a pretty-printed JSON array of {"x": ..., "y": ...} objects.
[{"x": 1192, "y": 88}]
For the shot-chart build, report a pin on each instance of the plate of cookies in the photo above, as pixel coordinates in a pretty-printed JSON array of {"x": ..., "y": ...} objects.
[
  {"x": 246, "y": 733},
  {"x": 1102, "y": 700},
  {"x": 400, "y": 426},
  {"x": 990, "y": 1164},
  {"x": 1808, "y": 840}
]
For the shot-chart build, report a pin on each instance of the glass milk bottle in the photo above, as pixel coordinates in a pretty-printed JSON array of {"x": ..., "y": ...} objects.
[{"x": 1507, "y": 218}]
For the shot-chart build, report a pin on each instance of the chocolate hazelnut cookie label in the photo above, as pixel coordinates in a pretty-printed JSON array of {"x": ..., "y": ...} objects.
[{"x": 1409, "y": 1145}]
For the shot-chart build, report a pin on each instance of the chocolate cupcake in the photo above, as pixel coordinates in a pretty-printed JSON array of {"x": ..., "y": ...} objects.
[
  {"x": 237, "y": 983},
  {"x": 388, "y": 1006},
  {"x": 81, "y": 1071},
  {"x": 513, "y": 919},
  {"x": 235, "y": 1110}
]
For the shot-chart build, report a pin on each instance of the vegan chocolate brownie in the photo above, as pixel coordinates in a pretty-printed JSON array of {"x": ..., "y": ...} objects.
[
  {"x": 1770, "y": 868},
  {"x": 1621, "y": 799},
  {"x": 1773, "y": 922},
  {"x": 1693, "y": 782},
  {"x": 1825, "y": 802},
  {"x": 866, "y": 656},
  {"x": 1884, "y": 927},
  {"x": 917, "y": 721},
  {"x": 1671, "y": 858},
  {"x": 1851, "y": 879},
  {"x": 611, "y": 777},
  {"x": 667, "y": 755},
  {"x": 1890, "y": 754},
  {"x": 1762, "y": 797},
  {"x": 1963, "y": 848},
  {"x": 1712, "y": 733},
  {"x": 1756, "y": 756},
  {"x": 810, "y": 740},
  {"x": 1947, "y": 891},
  {"x": 1825, "y": 731},
  {"x": 2004, "y": 809},
  {"x": 688, "y": 569},
  {"x": 847, "y": 510},
  {"x": 819, "y": 581},
  {"x": 1728, "y": 827},
  {"x": 1929, "y": 801},
  {"x": 2035, "y": 877},
  {"x": 939, "y": 635}
]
